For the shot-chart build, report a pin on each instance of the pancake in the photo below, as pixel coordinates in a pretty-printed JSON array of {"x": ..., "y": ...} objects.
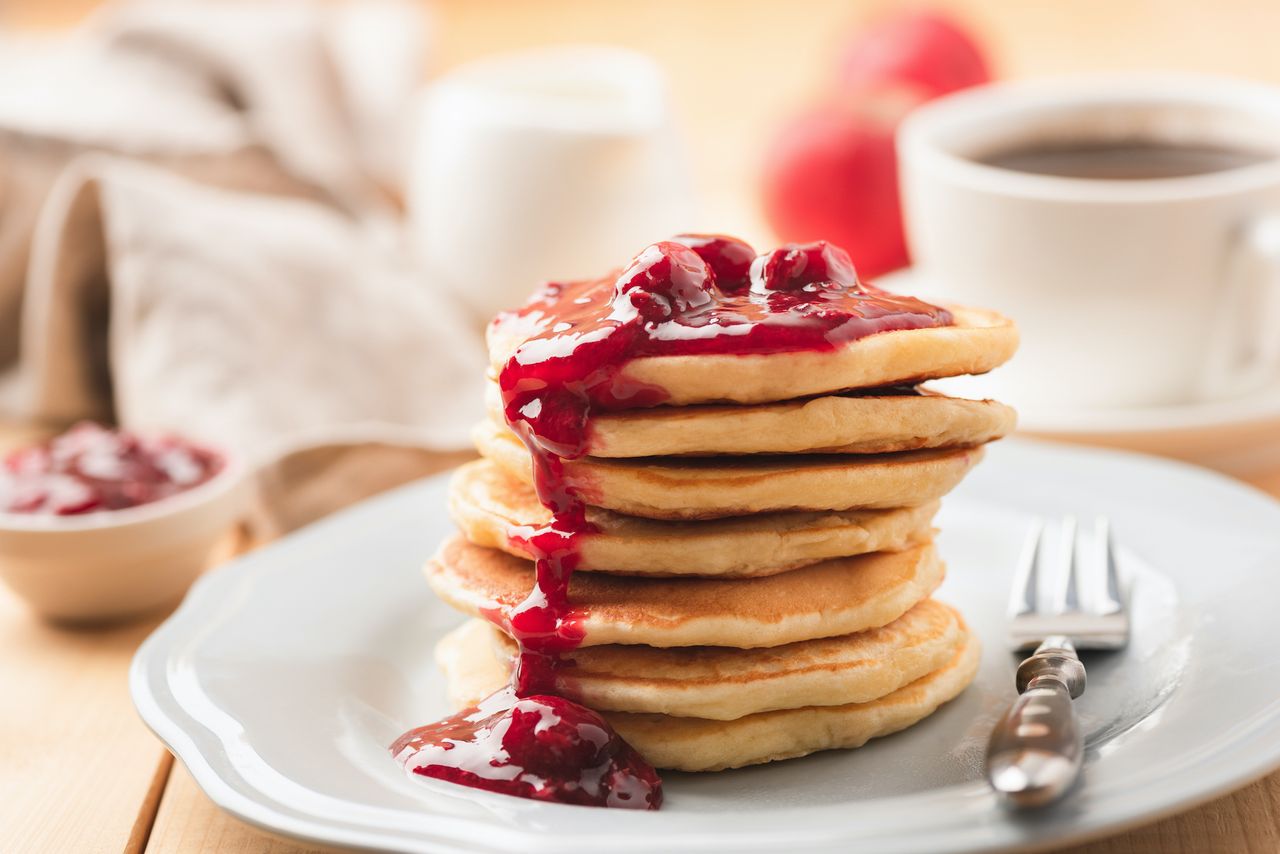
[
  {"x": 881, "y": 422},
  {"x": 720, "y": 683},
  {"x": 835, "y": 597},
  {"x": 979, "y": 341},
  {"x": 486, "y": 503},
  {"x": 714, "y": 487},
  {"x": 702, "y": 744}
]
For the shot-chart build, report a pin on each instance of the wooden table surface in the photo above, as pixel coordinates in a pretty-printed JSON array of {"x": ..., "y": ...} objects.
[{"x": 80, "y": 773}]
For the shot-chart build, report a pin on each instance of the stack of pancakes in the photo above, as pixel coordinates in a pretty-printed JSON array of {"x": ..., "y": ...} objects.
[{"x": 758, "y": 582}]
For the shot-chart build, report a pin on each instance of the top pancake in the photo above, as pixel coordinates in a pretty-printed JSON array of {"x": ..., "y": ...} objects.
[
  {"x": 880, "y": 421},
  {"x": 977, "y": 342}
]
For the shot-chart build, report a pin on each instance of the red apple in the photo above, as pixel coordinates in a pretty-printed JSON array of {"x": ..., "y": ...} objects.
[
  {"x": 922, "y": 48},
  {"x": 832, "y": 174}
]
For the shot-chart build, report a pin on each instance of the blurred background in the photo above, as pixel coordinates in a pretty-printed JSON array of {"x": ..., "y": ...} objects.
[
  {"x": 739, "y": 68},
  {"x": 283, "y": 225}
]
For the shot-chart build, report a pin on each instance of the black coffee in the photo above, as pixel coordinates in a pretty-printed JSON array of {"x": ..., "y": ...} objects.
[{"x": 1124, "y": 160}]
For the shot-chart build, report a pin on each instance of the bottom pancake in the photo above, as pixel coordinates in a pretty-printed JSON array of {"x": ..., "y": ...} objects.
[{"x": 700, "y": 744}]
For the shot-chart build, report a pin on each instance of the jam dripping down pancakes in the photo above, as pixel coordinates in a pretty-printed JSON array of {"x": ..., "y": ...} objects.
[{"x": 690, "y": 296}]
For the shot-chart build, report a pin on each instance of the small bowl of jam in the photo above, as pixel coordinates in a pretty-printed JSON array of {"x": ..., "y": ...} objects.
[{"x": 100, "y": 524}]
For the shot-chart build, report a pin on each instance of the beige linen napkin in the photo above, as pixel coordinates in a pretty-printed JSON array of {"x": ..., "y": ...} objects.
[
  {"x": 252, "y": 95},
  {"x": 260, "y": 321},
  {"x": 195, "y": 234},
  {"x": 269, "y": 324}
]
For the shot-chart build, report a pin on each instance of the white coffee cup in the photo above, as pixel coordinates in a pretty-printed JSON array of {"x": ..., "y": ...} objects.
[
  {"x": 1132, "y": 292},
  {"x": 551, "y": 164}
]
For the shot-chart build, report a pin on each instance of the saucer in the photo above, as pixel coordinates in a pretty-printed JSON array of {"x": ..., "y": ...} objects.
[
  {"x": 1239, "y": 436},
  {"x": 285, "y": 675}
]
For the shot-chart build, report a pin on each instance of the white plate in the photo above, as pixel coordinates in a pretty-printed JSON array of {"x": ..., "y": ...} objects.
[
  {"x": 1240, "y": 436},
  {"x": 284, "y": 676}
]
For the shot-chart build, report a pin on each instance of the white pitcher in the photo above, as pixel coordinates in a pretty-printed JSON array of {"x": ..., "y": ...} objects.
[{"x": 552, "y": 164}]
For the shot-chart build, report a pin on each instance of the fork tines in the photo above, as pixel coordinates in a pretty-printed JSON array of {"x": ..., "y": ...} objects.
[{"x": 1086, "y": 605}]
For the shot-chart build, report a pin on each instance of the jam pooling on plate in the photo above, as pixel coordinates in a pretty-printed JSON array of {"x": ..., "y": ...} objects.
[
  {"x": 542, "y": 747},
  {"x": 694, "y": 294},
  {"x": 90, "y": 468}
]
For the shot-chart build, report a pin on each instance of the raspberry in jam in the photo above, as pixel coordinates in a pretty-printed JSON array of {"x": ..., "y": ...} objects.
[{"x": 91, "y": 468}]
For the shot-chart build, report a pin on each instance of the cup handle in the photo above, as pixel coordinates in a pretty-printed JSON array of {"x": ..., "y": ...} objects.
[{"x": 1244, "y": 347}]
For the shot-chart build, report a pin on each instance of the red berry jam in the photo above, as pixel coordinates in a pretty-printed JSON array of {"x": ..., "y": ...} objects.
[
  {"x": 806, "y": 268},
  {"x": 729, "y": 259},
  {"x": 694, "y": 294},
  {"x": 90, "y": 468},
  {"x": 541, "y": 747}
]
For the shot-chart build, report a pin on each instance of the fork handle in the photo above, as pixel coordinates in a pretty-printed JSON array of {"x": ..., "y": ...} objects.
[{"x": 1036, "y": 749}]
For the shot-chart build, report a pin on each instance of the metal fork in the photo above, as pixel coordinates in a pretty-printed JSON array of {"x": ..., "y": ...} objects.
[{"x": 1036, "y": 749}]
